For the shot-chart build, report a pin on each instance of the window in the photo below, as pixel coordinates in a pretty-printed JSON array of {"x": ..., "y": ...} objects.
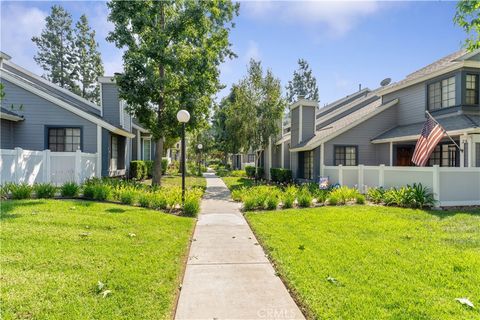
[
  {"x": 308, "y": 165},
  {"x": 251, "y": 158},
  {"x": 64, "y": 139},
  {"x": 445, "y": 155},
  {"x": 114, "y": 153},
  {"x": 147, "y": 149},
  {"x": 471, "y": 90},
  {"x": 441, "y": 94},
  {"x": 346, "y": 155}
]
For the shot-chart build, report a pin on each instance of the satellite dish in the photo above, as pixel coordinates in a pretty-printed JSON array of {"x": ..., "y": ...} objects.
[{"x": 385, "y": 82}]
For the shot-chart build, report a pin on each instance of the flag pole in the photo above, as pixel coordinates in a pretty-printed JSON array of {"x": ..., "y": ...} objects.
[{"x": 444, "y": 131}]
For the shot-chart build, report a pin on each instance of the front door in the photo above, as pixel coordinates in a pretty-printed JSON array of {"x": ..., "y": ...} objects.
[{"x": 404, "y": 155}]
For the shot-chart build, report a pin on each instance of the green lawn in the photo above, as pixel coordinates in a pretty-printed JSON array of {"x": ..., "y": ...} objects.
[
  {"x": 384, "y": 263},
  {"x": 176, "y": 181},
  {"x": 54, "y": 253},
  {"x": 237, "y": 182}
]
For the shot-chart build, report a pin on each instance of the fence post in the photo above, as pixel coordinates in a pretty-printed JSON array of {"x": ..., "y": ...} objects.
[
  {"x": 78, "y": 159},
  {"x": 381, "y": 175},
  {"x": 361, "y": 172},
  {"x": 340, "y": 175},
  {"x": 48, "y": 167},
  {"x": 436, "y": 183},
  {"x": 18, "y": 166}
]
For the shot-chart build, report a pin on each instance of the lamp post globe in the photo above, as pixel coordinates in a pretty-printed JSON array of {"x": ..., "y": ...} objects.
[
  {"x": 183, "y": 116},
  {"x": 200, "y": 146}
]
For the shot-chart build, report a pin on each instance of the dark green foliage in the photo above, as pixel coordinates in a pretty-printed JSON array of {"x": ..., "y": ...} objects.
[
  {"x": 260, "y": 173},
  {"x": 272, "y": 202},
  {"x": 20, "y": 191},
  {"x": 250, "y": 170},
  {"x": 414, "y": 196},
  {"x": 45, "y": 190},
  {"x": 164, "y": 167},
  {"x": 69, "y": 189},
  {"x": 303, "y": 84},
  {"x": 138, "y": 170},
  {"x": 304, "y": 198},
  {"x": 468, "y": 18},
  {"x": 280, "y": 175},
  {"x": 375, "y": 195}
]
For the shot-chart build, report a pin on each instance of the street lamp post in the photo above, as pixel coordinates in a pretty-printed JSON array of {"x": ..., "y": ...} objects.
[
  {"x": 200, "y": 146},
  {"x": 183, "y": 117}
]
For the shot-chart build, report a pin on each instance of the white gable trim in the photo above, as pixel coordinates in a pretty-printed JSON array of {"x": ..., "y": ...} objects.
[
  {"x": 10, "y": 117},
  {"x": 52, "y": 85},
  {"x": 60, "y": 103}
]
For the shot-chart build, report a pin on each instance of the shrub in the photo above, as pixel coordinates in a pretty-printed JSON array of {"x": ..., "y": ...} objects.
[
  {"x": 45, "y": 190},
  {"x": 304, "y": 198},
  {"x": 238, "y": 173},
  {"x": 101, "y": 191},
  {"x": 138, "y": 169},
  {"x": 222, "y": 172},
  {"x": 69, "y": 189},
  {"x": 20, "y": 191},
  {"x": 259, "y": 173},
  {"x": 173, "y": 167},
  {"x": 249, "y": 203},
  {"x": 250, "y": 171},
  {"x": 237, "y": 194},
  {"x": 127, "y": 196},
  {"x": 192, "y": 203},
  {"x": 421, "y": 196},
  {"x": 376, "y": 195},
  {"x": 4, "y": 190},
  {"x": 272, "y": 202},
  {"x": 145, "y": 199},
  {"x": 89, "y": 190},
  {"x": 415, "y": 196},
  {"x": 332, "y": 200},
  {"x": 149, "y": 168},
  {"x": 360, "y": 199},
  {"x": 344, "y": 194},
  {"x": 280, "y": 175},
  {"x": 288, "y": 196},
  {"x": 158, "y": 201}
]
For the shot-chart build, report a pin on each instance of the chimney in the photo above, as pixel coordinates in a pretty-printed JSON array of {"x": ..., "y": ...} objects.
[{"x": 359, "y": 87}]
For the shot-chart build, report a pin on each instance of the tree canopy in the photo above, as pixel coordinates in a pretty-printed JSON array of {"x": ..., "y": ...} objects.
[
  {"x": 468, "y": 17},
  {"x": 171, "y": 58},
  {"x": 303, "y": 83}
]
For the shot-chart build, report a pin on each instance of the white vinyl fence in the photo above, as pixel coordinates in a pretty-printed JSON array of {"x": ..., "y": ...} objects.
[
  {"x": 450, "y": 186},
  {"x": 25, "y": 166}
]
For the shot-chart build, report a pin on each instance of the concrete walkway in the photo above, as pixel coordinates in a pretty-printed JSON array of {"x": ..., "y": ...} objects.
[{"x": 227, "y": 274}]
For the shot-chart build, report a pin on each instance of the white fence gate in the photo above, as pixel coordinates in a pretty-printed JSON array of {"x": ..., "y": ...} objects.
[
  {"x": 25, "y": 166},
  {"x": 451, "y": 186}
]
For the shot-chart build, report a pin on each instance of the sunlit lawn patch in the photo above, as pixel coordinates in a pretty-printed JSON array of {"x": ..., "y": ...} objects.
[
  {"x": 372, "y": 262},
  {"x": 54, "y": 253}
]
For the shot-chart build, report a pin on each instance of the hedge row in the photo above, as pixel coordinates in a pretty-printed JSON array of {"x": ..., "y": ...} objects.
[
  {"x": 143, "y": 169},
  {"x": 280, "y": 175}
]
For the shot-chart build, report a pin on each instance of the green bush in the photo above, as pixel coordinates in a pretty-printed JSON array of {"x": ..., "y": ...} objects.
[
  {"x": 45, "y": 190},
  {"x": 128, "y": 196},
  {"x": 422, "y": 196},
  {"x": 222, "y": 172},
  {"x": 360, "y": 199},
  {"x": 332, "y": 200},
  {"x": 4, "y": 190},
  {"x": 89, "y": 191},
  {"x": 415, "y": 196},
  {"x": 164, "y": 166},
  {"x": 145, "y": 199},
  {"x": 280, "y": 175},
  {"x": 69, "y": 189},
  {"x": 344, "y": 194},
  {"x": 138, "y": 170},
  {"x": 304, "y": 198},
  {"x": 260, "y": 173},
  {"x": 173, "y": 167},
  {"x": 101, "y": 192},
  {"x": 376, "y": 195},
  {"x": 272, "y": 202},
  {"x": 250, "y": 171},
  {"x": 20, "y": 191},
  {"x": 288, "y": 196},
  {"x": 148, "y": 168},
  {"x": 238, "y": 173},
  {"x": 191, "y": 207},
  {"x": 249, "y": 203},
  {"x": 159, "y": 201}
]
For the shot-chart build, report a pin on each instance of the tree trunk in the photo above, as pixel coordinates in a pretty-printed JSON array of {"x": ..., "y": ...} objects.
[{"x": 157, "y": 164}]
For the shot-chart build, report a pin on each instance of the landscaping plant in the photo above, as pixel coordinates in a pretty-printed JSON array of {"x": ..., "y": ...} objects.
[
  {"x": 45, "y": 190},
  {"x": 20, "y": 191},
  {"x": 69, "y": 190}
]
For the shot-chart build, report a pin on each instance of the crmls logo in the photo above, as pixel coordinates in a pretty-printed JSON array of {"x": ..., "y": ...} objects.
[{"x": 274, "y": 313}]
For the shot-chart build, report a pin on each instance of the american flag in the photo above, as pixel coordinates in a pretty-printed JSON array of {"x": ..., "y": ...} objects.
[{"x": 432, "y": 133}]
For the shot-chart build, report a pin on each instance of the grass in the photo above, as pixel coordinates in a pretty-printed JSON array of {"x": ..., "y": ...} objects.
[
  {"x": 238, "y": 182},
  {"x": 176, "y": 181},
  {"x": 365, "y": 262},
  {"x": 54, "y": 253}
]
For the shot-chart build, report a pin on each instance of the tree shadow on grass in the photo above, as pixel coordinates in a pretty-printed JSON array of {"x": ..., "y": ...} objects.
[
  {"x": 448, "y": 213},
  {"x": 9, "y": 205},
  {"x": 116, "y": 210}
]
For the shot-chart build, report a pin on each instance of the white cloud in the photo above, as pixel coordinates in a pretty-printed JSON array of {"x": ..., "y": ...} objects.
[
  {"x": 19, "y": 24},
  {"x": 253, "y": 51},
  {"x": 338, "y": 17}
]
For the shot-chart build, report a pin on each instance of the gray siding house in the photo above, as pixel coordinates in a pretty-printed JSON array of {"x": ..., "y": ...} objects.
[
  {"x": 381, "y": 126},
  {"x": 37, "y": 115}
]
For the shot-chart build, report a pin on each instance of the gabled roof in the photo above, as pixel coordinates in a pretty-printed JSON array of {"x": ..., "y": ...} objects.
[
  {"x": 344, "y": 124},
  {"x": 444, "y": 65},
  {"x": 412, "y": 131},
  {"x": 340, "y": 102}
]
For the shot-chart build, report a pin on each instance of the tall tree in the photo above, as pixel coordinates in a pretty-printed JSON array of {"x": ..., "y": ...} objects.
[
  {"x": 172, "y": 53},
  {"x": 468, "y": 17},
  {"x": 56, "y": 54},
  {"x": 303, "y": 83},
  {"x": 88, "y": 60}
]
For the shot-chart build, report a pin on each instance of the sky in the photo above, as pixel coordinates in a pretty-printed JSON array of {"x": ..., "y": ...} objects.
[{"x": 346, "y": 43}]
